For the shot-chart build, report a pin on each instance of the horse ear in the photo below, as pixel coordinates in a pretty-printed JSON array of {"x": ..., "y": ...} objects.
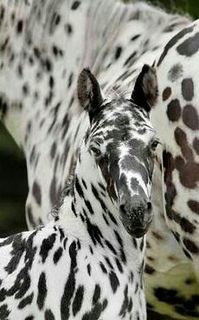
[
  {"x": 89, "y": 93},
  {"x": 146, "y": 89}
]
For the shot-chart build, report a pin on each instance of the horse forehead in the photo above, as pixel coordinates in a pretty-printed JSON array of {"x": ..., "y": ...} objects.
[
  {"x": 127, "y": 134},
  {"x": 122, "y": 114}
]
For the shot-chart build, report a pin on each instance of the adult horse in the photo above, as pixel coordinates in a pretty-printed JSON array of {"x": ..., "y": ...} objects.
[{"x": 43, "y": 49}]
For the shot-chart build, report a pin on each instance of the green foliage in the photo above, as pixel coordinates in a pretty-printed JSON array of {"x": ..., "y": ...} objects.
[
  {"x": 13, "y": 186},
  {"x": 12, "y": 217},
  {"x": 190, "y": 7}
]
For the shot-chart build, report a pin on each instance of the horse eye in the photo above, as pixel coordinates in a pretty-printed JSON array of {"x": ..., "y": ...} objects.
[
  {"x": 154, "y": 144},
  {"x": 95, "y": 151}
]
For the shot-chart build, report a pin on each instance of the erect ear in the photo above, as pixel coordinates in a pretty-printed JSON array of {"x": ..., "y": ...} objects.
[
  {"x": 89, "y": 93},
  {"x": 146, "y": 89}
]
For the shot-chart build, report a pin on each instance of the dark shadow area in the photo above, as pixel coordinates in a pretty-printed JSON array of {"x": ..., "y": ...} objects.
[
  {"x": 13, "y": 186},
  {"x": 156, "y": 316}
]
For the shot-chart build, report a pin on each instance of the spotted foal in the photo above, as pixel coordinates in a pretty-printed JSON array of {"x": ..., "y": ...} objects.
[{"x": 88, "y": 262}]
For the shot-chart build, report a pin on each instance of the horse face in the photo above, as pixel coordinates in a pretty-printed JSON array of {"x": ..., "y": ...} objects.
[{"x": 122, "y": 142}]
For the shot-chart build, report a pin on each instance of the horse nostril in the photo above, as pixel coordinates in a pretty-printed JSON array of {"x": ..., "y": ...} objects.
[
  {"x": 149, "y": 205},
  {"x": 122, "y": 208}
]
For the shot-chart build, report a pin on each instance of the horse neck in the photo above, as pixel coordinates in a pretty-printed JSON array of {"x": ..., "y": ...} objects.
[
  {"x": 40, "y": 34},
  {"x": 139, "y": 40},
  {"x": 30, "y": 67},
  {"x": 13, "y": 19}
]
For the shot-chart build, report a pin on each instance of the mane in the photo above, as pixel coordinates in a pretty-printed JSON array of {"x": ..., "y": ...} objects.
[
  {"x": 67, "y": 190},
  {"x": 117, "y": 92}
]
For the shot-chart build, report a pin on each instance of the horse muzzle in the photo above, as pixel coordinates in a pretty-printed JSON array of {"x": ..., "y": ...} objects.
[{"x": 136, "y": 219}]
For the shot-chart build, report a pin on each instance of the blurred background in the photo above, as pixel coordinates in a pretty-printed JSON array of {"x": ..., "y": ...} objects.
[{"x": 13, "y": 178}]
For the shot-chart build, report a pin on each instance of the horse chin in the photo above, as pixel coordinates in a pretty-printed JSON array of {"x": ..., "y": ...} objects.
[{"x": 137, "y": 231}]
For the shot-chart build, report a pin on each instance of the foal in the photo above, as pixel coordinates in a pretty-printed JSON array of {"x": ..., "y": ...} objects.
[{"x": 88, "y": 262}]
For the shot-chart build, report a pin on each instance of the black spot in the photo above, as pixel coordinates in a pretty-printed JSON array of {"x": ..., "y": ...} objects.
[
  {"x": 112, "y": 218},
  {"x": 47, "y": 245},
  {"x": 94, "y": 233},
  {"x": 103, "y": 268},
  {"x": 135, "y": 37},
  {"x": 187, "y": 89},
  {"x": 89, "y": 269},
  {"x": 36, "y": 191},
  {"x": 20, "y": 70},
  {"x": 119, "y": 265},
  {"x": 185, "y": 224},
  {"x": 118, "y": 52},
  {"x": 129, "y": 61},
  {"x": 78, "y": 299},
  {"x": 174, "y": 110},
  {"x": 196, "y": 145},
  {"x": 175, "y": 72},
  {"x": 183, "y": 305},
  {"x": 79, "y": 188},
  {"x": 75, "y": 5},
  {"x": 53, "y": 150},
  {"x": 47, "y": 65},
  {"x": 191, "y": 246},
  {"x": 190, "y": 117},
  {"x": 25, "y": 89},
  {"x": 57, "y": 19},
  {"x": 149, "y": 269},
  {"x": 37, "y": 52},
  {"x": 96, "y": 311},
  {"x": 173, "y": 41},
  {"x": 194, "y": 206},
  {"x": 97, "y": 293},
  {"x": 42, "y": 291},
  {"x": 96, "y": 194},
  {"x": 51, "y": 82},
  {"x": 68, "y": 28},
  {"x": 109, "y": 245},
  {"x": 114, "y": 281},
  {"x": 57, "y": 255},
  {"x": 22, "y": 281},
  {"x": 166, "y": 93},
  {"x": 18, "y": 248},
  {"x": 49, "y": 315},
  {"x": 84, "y": 184},
  {"x": 189, "y": 46},
  {"x": 19, "y": 26},
  {"x": 4, "y": 312},
  {"x": 89, "y": 207},
  {"x": 69, "y": 288},
  {"x": 124, "y": 306},
  {"x": 167, "y": 295},
  {"x": 27, "y": 300},
  {"x": 70, "y": 80},
  {"x": 109, "y": 263}
]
